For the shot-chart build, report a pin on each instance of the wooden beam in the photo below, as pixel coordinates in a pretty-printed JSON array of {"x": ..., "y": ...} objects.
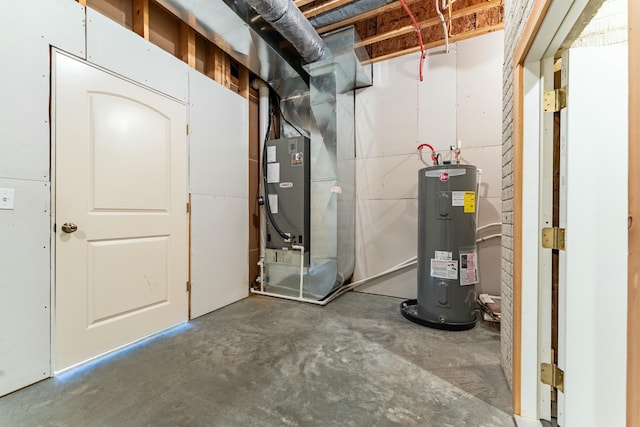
[
  {"x": 452, "y": 39},
  {"x": 633, "y": 297},
  {"x": 429, "y": 22},
  {"x": 516, "y": 331},
  {"x": 375, "y": 12},
  {"x": 218, "y": 65},
  {"x": 187, "y": 51},
  {"x": 243, "y": 81},
  {"x": 301, "y": 3},
  {"x": 210, "y": 61},
  {"x": 82, "y": 2},
  {"x": 141, "y": 18},
  {"x": 325, "y": 7}
]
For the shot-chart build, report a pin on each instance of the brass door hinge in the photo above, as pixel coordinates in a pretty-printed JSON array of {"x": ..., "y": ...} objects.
[
  {"x": 188, "y": 207},
  {"x": 188, "y": 286},
  {"x": 553, "y": 238},
  {"x": 555, "y": 100},
  {"x": 187, "y": 128},
  {"x": 552, "y": 375}
]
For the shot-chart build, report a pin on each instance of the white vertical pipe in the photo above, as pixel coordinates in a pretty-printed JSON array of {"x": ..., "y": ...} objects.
[
  {"x": 301, "y": 249},
  {"x": 263, "y": 124}
]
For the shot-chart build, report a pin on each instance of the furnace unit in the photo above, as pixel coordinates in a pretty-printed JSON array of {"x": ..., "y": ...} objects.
[{"x": 287, "y": 183}]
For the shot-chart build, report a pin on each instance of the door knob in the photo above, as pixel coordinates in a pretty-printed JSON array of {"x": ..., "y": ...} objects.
[{"x": 69, "y": 227}]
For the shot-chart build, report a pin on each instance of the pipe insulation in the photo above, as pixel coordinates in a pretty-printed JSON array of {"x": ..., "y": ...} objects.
[{"x": 286, "y": 18}]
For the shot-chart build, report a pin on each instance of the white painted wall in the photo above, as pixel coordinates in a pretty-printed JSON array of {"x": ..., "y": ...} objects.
[
  {"x": 25, "y": 250},
  {"x": 219, "y": 184},
  {"x": 25, "y": 232},
  {"x": 459, "y": 99}
]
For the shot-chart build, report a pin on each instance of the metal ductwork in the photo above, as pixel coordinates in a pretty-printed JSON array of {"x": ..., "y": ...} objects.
[
  {"x": 319, "y": 98},
  {"x": 287, "y": 19}
]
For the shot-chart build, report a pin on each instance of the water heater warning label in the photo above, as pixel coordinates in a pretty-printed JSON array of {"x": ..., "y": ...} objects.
[
  {"x": 467, "y": 199},
  {"x": 469, "y": 202},
  {"x": 444, "y": 269},
  {"x": 468, "y": 268},
  {"x": 457, "y": 198}
]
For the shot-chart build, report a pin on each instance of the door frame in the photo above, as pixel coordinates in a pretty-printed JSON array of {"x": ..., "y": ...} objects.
[
  {"x": 548, "y": 25},
  {"x": 633, "y": 288}
]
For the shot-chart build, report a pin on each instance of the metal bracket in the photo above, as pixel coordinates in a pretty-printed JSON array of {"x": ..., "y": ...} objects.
[
  {"x": 555, "y": 100},
  {"x": 552, "y": 375},
  {"x": 553, "y": 238}
]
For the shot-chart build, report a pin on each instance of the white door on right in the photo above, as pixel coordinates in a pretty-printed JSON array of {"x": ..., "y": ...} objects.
[{"x": 592, "y": 318}]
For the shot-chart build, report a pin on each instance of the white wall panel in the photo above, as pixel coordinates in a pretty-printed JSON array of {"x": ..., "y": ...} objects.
[
  {"x": 399, "y": 111},
  {"x": 460, "y": 98},
  {"x": 27, "y": 31},
  {"x": 436, "y": 105},
  {"x": 489, "y": 159},
  {"x": 385, "y": 236},
  {"x": 489, "y": 212},
  {"x": 219, "y": 252},
  {"x": 402, "y": 284},
  {"x": 25, "y": 286},
  {"x": 479, "y": 90},
  {"x": 389, "y": 177},
  {"x": 117, "y": 49},
  {"x": 219, "y": 139}
]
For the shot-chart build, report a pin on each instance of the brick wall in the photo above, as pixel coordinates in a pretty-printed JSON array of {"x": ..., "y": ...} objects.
[{"x": 516, "y": 14}]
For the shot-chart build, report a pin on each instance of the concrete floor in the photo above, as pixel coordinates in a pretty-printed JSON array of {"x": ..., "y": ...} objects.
[{"x": 268, "y": 362}]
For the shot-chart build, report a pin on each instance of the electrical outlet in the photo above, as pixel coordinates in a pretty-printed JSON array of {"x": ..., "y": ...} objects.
[{"x": 6, "y": 198}]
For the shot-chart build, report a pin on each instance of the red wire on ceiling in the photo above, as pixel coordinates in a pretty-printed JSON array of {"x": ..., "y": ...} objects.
[{"x": 415, "y": 24}]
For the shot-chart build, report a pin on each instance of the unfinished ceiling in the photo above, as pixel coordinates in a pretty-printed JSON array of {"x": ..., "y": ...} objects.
[
  {"x": 387, "y": 30},
  {"x": 204, "y": 35}
]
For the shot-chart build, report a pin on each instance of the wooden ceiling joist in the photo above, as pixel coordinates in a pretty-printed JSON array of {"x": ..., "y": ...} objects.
[
  {"x": 429, "y": 22},
  {"x": 363, "y": 16},
  {"x": 325, "y": 7},
  {"x": 452, "y": 39},
  {"x": 301, "y": 3}
]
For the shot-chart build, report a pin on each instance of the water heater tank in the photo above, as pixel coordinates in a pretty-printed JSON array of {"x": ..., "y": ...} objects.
[{"x": 447, "y": 257}]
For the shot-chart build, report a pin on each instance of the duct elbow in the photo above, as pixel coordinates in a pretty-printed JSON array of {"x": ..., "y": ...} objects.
[{"x": 287, "y": 19}]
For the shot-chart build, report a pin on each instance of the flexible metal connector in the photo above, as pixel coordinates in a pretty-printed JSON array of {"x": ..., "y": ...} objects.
[{"x": 287, "y": 19}]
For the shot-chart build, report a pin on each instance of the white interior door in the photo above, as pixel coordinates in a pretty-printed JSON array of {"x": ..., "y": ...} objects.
[
  {"x": 121, "y": 178},
  {"x": 592, "y": 321}
]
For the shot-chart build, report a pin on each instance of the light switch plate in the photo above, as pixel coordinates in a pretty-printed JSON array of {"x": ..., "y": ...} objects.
[{"x": 6, "y": 198}]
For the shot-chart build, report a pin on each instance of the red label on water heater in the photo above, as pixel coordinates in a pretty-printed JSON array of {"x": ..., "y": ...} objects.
[{"x": 444, "y": 176}]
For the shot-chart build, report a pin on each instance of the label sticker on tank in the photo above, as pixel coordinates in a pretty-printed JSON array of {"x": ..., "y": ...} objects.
[
  {"x": 468, "y": 268},
  {"x": 457, "y": 198},
  {"x": 444, "y": 255},
  {"x": 469, "y": 202},
  {"x": 444, "y": 269}
]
